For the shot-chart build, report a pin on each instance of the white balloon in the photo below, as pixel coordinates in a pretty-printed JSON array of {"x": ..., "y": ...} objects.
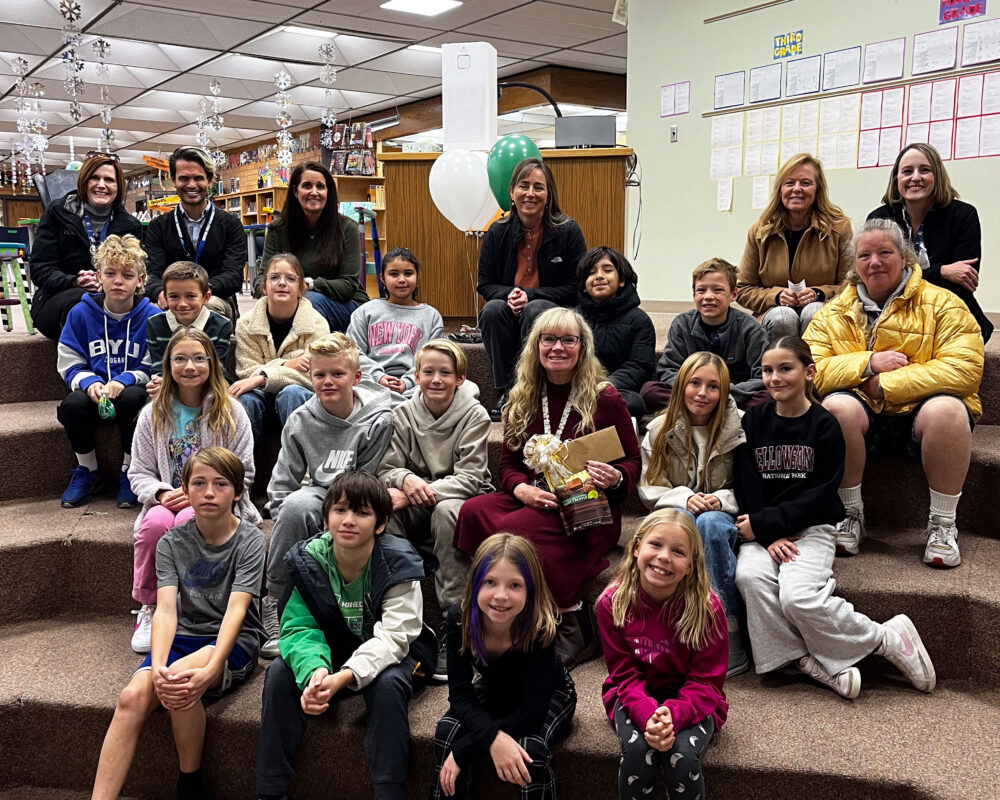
[{"x": 459, "y": 187}]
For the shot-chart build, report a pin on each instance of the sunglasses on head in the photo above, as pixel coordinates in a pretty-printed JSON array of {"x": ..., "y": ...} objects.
[{"x": 102, "y": 154}]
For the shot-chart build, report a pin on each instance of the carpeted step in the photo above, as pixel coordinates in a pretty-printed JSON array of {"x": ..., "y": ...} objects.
[
  {"x": 45, "y": 793},
  {"x": 79, "y": 561},
  {"x": 786, "y": 737},
  {"x": 29, "y": 364}
]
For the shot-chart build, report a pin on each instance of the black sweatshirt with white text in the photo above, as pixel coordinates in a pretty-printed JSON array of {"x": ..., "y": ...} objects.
[{"x": 788, "y": 471}]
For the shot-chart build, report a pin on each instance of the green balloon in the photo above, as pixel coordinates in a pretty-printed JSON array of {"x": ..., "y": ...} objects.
[{"x": 506, "y": 154}]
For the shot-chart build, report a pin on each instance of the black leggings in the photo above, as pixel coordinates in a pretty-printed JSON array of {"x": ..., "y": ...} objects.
[
  {"x": 78, "y": 415},
  {"x": 680, "y": 765},
  {"x": 48, "y": 312}
]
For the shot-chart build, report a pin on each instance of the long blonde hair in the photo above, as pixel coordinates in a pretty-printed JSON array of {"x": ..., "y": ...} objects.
[
  {"x": 824, "y": 213},
  {"x": 691, "y": 606},
  {"x": 220, "y": 416},
  {"x": 589, "y": 380},
  {"x": 538, "y": 619},
  {"x": 676, "y": 409}
]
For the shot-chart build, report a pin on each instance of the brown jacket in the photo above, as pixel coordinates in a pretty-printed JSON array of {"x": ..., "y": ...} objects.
[{"x": 821, "y": 260}]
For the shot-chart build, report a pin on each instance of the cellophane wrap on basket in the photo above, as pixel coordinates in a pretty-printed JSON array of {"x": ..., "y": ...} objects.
[{"x": 581, "y": 504}]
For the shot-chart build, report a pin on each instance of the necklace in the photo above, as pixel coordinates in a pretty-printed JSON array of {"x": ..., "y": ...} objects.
[{"x": 547, "y": 423}]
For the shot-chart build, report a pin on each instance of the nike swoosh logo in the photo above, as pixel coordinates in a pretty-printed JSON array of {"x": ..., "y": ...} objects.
[{"x": 907, "y": 645}]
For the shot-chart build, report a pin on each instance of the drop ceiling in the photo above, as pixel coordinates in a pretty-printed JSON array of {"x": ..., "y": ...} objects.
[{"x": 164, "y": 55}]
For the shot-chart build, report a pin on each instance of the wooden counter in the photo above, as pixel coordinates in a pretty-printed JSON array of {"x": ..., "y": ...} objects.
[{"x": 591, "y": 185}]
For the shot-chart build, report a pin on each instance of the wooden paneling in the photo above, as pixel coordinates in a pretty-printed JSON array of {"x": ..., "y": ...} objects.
[
  {"x": 591, "y": 187},
  {"x": 21, "y": 208}
]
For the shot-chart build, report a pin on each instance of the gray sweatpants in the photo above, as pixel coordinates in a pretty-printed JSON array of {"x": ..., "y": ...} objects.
[
  {"x": 299, "y": 517},
  {"x": 792, "y": 610},
  {"x": 415, "y": 523}
]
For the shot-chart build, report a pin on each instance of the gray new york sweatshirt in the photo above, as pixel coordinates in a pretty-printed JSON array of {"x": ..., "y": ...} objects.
[{"x": 320, "y": 445}]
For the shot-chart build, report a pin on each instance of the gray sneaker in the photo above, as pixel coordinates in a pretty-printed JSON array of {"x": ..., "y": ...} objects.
[
  {"x": 942, "y": 544},
  {"x": 846, "y": 684},
  {"x": 269, "y": 610},
  {"x": 850, "y": 531}
]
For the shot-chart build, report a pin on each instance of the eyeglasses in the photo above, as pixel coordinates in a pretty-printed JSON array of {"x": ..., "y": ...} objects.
[
  {"x": 181, "y": 361},
  {"x": 102, "y": 154},
  {"x": 277, "y": 277},
  {"x": 548, "y": 340}
]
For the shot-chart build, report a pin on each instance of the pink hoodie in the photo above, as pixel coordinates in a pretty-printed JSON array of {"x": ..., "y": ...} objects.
[{"x": 649, "y": 667}]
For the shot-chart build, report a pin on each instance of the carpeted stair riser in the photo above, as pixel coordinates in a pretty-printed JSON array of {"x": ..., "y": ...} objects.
[{"x": 753, "y": 756}]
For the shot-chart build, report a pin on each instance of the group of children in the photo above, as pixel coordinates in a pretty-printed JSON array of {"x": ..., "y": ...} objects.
[{"x": 389, "y": 436}]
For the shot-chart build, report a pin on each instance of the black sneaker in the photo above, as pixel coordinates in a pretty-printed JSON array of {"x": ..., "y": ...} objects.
[
  {"x": 496, "y": 413},
  {"x": 441, "y": 669}
]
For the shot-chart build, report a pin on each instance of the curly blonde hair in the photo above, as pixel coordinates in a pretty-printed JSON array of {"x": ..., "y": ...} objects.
[
  {"x": 691, "y": 606},
  {"x": 525, "y": 398},
  {"x": 122, "y": 251},
  {"x": 824, "y": 214}
]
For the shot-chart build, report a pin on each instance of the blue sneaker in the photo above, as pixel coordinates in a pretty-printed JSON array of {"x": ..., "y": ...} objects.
[
  {"x": 126, "y": 497},
  {"x": 82, "y": 484}
]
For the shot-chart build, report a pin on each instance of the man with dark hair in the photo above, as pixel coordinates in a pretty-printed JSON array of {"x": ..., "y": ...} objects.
[{"x": 197, "y": 231}]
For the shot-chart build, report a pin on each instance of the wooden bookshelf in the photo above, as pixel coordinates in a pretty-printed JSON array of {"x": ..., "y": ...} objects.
[
  {"x": 358, "y": 189},
  {"x": 249, "y": 204}
]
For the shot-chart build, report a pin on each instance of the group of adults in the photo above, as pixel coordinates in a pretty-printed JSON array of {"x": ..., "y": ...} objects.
[{"x": 309, "y": 225}]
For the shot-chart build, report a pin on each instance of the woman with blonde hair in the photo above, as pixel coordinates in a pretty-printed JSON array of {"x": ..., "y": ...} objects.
[
  {"x": 797, "y": 254},
  {"x": 561, "y": 391}
]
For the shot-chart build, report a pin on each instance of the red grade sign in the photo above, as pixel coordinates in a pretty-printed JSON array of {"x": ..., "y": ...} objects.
[{"x": 955, "y": 10}]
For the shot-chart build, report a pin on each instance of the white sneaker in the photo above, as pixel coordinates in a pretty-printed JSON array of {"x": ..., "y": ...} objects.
[
  {"x": 902, "y": 647},
  {"x": 942, "y": 544},
  {"x": 269, "y": 611},
  {"x": 850, "y": 531},
  {"x": 142, "y": 634},
  {"x": 846, "y": 684}
]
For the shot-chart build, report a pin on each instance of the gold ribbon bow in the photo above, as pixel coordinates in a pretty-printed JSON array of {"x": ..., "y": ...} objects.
[{"x": 545, "y": 453}]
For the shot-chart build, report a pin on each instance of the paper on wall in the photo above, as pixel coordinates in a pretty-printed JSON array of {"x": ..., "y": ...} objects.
[
  {"x": 920, "y": 104},
  {"x": 892, "y": 107},
  {"x": 765, "y": 83},
  {"x": 755, "y": 126},
  {"x": 991, "y": 93},
  {"x": 751, "y": 159},
  {"x": 849, "y": 105},
  {"x": 729, "y": 89},
  {"x": 761, "y": 192},
  {"x": 871, "y": 110},
  {"x": 888, "y": 145},
  {"x": 724, "y": 195},
  {"x": 841, "y": 68},
  {"x": 847, "y": 154},
  {"x": 790, "y": 121},
  {"x": 802, "y": 76},
  {"x": 967, "y": 137},
  {"x": 989, "y": 136},
  {"x": 884, "y": 60},
  {"x": 943, "y": 100},
  {"x": 917, "y": 133},
  {"x": 809, "y": 118},
  {"x": 829, "y": 115},
  {"x": 981, "y": 42},
  {"x": 868, "y": 149},
  {"x": 682, "y": 98},
  {"x": 769, "y": 158},
  {"x": 789, "y": 147},
  {"x": 828, "y": 151},
  {"x": 772, "y": 124},
  {"x": 970, "y": 96},
  {"x": 939, "y": 136},
  {"x": 934, "y": 51}
]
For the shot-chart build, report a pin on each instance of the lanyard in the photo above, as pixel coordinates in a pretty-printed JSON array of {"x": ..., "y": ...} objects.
[
  {"x": 565, "y": 415},
  {"x": 90, "y": 231},
  {"x": 202, "y": 235}
]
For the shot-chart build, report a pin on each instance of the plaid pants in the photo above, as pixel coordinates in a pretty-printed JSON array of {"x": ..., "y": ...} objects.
[{"x": 543, "y": 785}]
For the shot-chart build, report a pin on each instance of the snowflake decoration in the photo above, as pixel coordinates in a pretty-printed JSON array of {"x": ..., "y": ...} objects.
[
  {"x": 326, "y": 139},
  {"x": 105, "y": 94},
  {"x": 23, "y": 125},
  {"x": 215, "y": 87},
  {"x": 283, "y": 99},
  {"x": 22, "y": 104},
  {"x": 39, "y": 125},
  {"x": 282, "y": 80},
  {"x": 20, "y": 66},
  {"x": 327, "y": 52},
  {"x": 285, "y": 158},
  {"x": 329, "y": 117},
  {"x": 215, "y": 106},
  {"x": 76, "y": 111},
  {"x": 72, "y": 63},
  {"x": 101, "y": 48},
  {"x": 24, "y": 143},
  {"x": 328, "y": 75},
  {"x": 283, "y": 119},
  {"x": 72, "y": 35},
  {"x": 214, "y": 122},
  {"x": 221, "y": 160},
  {"x": 284, "y": 139},
  {"x": 108, "y": 137},
  {"x": 41, "y": 143},
  {"x": 74, "y": 86},
  {"x": 201, "y": 137},
  {"x": 37, "y": 89},
  {"x": 103, "y": 72},
  {"x": 70, "y": 9},
  {"x": 106, "y": 115},
  {"x": 202, "y": 106}
]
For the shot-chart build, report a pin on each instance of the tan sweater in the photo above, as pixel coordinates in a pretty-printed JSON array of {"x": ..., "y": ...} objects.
[{"x": 256, "y": 353}]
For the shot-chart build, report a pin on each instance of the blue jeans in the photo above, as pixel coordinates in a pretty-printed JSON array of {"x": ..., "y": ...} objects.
[
  {"x": 719, "y": 538},
  {"x": 260, "y": 405},
  {"x": 337, "y": 313}
]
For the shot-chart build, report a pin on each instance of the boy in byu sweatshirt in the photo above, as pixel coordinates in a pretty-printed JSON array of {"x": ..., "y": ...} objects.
[
  {"x": 437, "y": 460},
  {"x": 345, "y": 425}
]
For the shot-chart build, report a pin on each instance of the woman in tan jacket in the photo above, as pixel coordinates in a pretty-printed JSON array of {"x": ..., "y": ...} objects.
[
  {"x": 271, "y": 361},
  {"x": 797, "y": 253}
]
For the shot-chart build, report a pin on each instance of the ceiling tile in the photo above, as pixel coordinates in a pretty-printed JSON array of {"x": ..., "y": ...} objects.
[
  {"x": 160, "y": 25},
  {"x": 547, "y": 24}
]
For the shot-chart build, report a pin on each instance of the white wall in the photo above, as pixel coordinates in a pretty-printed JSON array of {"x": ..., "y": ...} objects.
[{"x": 668, "y": 42}]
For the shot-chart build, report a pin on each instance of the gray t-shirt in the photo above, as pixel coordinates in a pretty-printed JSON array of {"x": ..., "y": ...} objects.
[{"x": 205, "y": 575}]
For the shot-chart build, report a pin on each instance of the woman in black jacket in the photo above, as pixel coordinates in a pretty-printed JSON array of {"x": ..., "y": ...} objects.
[
  {"x": 526, "y": 266},
  {"x": 944, "y": 231},
  {"x": 68, "y": 235},
  {"x": 624, "y": 337}
]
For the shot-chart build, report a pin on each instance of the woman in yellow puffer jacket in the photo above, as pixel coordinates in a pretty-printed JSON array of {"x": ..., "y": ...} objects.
[{"x": 899, "y": 363}]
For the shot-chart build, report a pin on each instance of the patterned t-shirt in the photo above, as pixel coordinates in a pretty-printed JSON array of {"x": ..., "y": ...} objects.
[{"x": 185, "y": 440}]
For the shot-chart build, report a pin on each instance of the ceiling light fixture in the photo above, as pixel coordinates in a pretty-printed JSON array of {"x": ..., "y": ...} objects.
[
  {"x": 426, "y": 8},
  {"x": 382, "y": 124},
  {"x": 425, "y": 48},
  {"x": 305, "y": 31}
]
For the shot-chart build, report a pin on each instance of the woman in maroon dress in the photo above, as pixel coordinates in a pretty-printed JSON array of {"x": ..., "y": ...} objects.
[{"x": 560, "y": 389}]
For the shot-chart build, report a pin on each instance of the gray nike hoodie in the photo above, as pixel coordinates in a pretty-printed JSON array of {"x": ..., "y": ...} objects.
[{"x": 317, "y": 446}]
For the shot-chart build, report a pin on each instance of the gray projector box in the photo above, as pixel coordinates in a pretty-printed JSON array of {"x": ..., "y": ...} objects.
[{"x": 585, "y": 131}]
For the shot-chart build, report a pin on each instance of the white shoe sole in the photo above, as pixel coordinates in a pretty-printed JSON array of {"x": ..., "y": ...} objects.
[
  {"x": 934, "y": 559},
  {"x": 906, "y": 624}
]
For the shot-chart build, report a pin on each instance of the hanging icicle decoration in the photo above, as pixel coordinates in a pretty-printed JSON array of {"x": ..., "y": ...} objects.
[
  {"x": 101, "y": 49},
  {"x": 328, "y": 76},
  {"x": 72, "y": 38},
  {"x": 283, "y": 81}
]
